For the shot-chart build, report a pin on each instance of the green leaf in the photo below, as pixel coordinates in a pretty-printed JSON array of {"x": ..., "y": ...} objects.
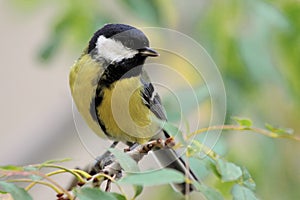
[
  {"x": 242, "y": 193},
  {"x": 211, "y": 166},
  {"x": 126, "y": 162},
  {"x": 247, "y": 179},
  {"x": 16, "y": 192},
  {"x": 200, "y": 166},
  {"x": 157, "y": 177},
  {"x": 33, "y": 176},
  {"x": 208, "y": 192},
  {"x": 138, "y": 189},
  {"x": 86, "y": 193},
  {"x": 228, "y": 171},
  {"x": 284, "y": 131},
  {"x": 243, "y": 121},
  {"x": 11, "y": 168},
  {"x": 118, "y": 196}
]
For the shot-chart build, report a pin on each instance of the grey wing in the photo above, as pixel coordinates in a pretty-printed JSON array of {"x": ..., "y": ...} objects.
[
  {"x": 166, "y": 157},
  {"x": 151, "y": 98}
]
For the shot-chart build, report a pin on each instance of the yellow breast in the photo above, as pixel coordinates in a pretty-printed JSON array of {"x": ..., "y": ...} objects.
[
  {"x": 83, "y": 82},
  {"x": 121, "y": 111},
  {"x": 124, "y": 114}
]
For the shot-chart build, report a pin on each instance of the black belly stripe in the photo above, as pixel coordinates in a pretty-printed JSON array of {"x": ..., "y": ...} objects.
[
  {"x": 95, "y": 103},
  {"x": 125, "y": 69},
  {"x": 104, "y": 81}
]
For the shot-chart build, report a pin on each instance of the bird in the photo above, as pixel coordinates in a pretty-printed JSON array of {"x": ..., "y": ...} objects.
[{"x": 115, "y": 96}]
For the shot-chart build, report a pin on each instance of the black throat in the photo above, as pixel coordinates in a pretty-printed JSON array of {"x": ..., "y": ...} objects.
[{"x": 119, "y": 70}]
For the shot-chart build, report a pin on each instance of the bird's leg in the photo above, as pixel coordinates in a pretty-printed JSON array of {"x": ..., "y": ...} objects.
[{"x": 102, "y": 160}]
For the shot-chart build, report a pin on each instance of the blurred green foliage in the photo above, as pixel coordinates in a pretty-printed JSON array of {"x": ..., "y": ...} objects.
[{"x": 255, "y": 44}]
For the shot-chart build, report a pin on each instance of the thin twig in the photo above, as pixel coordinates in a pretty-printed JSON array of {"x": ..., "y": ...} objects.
[
  {"x": 242, "y": 128},
  {"x": 71, "y": 171},
  {"x": 37, "y": 182},
  {"x": 29, "y": 173},
  {"x": 55, "y": 184}
]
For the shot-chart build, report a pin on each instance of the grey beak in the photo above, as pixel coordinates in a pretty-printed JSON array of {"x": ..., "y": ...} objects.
[{"x": 147, "y": 51}]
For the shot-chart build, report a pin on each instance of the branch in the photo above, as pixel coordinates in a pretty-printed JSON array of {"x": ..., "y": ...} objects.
[{"x": 108, "y": 167}]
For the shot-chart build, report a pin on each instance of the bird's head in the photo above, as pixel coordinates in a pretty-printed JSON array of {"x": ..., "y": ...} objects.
[{"x": 120, "y": 43}]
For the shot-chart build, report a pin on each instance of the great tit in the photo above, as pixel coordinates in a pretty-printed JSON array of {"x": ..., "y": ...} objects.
[{"x": 114, "y": 95}]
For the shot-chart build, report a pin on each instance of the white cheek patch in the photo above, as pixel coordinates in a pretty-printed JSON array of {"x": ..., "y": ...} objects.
[{"x": 112, "y": 50}]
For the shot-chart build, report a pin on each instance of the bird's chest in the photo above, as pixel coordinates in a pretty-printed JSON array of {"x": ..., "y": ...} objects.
[
  {"x": 83, "y": 81},
  {"x": 123, "y": 112}
]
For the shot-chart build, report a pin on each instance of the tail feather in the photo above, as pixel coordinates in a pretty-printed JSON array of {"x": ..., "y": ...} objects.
[{"x": 169, "y": 158}]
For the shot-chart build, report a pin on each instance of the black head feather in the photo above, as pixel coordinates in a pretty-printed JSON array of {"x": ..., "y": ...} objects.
[{"x": 129, "y": 36}]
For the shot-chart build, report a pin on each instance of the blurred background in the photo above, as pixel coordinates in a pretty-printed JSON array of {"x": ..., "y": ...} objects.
[{"x": 254, "y": 43}]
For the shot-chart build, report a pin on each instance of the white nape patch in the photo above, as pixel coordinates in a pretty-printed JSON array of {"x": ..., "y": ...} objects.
[{"x": 112, "y": 50}]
